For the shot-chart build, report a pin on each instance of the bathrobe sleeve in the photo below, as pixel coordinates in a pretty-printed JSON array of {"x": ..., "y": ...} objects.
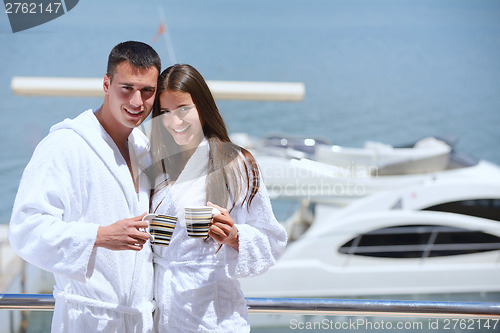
[
  {"x": 45, "y": 229},
  {"x": 262, "y": 239}
]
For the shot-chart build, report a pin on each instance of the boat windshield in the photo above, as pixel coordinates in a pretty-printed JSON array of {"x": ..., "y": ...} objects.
[
  {"x": 485, "y": 208},
  {"x": 420, "y": 241}
]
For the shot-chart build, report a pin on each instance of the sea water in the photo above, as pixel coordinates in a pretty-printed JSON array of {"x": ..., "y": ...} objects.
[{"x": 383, "y": 70}]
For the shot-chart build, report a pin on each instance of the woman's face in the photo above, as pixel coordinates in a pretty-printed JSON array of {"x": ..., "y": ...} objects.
[{"x": 180, "y": 118}]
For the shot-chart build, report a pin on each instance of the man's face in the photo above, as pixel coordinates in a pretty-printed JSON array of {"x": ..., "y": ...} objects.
[{"x": 131, "y": 93}]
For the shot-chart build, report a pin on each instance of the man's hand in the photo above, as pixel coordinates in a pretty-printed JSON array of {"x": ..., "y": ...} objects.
[
  {"x": 123, "y": 234},
  {"x": 223, "y": 230}
]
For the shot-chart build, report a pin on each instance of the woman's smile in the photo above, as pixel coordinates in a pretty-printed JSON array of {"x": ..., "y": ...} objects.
[{"x": 182, "y": 130}]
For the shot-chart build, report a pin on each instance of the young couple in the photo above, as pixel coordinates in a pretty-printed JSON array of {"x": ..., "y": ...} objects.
[{"x": 79, "y": 208}]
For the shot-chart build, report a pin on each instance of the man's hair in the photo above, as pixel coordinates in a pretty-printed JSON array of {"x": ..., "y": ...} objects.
[{"x": 138, "y": 54}]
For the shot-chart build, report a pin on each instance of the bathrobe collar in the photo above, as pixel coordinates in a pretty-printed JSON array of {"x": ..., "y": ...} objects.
[
  {"x": 90, "y": 129},
  {"x": 191, "y": 178}
]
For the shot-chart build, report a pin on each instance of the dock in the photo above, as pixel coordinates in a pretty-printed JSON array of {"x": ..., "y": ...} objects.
[{"x": 222, "y": 90}]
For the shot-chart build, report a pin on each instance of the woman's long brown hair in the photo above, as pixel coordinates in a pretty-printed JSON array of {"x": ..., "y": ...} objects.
[{"x": 232, "y": 170}]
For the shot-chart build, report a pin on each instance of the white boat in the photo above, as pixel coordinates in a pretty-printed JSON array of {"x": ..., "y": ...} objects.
[
  {"x": 298, "y": 179},
  {"x": 296, "y": 173},
  {"x": 428, "y": 154},
  {"x": 439, "y": 237}
]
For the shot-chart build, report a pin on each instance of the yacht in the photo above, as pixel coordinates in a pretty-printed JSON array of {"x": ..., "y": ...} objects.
[
  {"x": 425, "y": 155},
  {"x": 310, "y": 169},
  {"x": 438, "y": 237}
]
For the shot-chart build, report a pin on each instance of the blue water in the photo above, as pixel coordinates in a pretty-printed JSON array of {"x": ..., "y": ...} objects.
[{"x": 386, "y": 70}]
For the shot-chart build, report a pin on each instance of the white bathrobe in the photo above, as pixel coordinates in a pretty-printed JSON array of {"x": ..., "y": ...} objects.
[
  {"x": 197, "y": 290},
  {"x": 76, "y": 181}
]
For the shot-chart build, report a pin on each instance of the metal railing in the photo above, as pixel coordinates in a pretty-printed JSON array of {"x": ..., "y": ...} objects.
[{"x": 311, "y": 306}]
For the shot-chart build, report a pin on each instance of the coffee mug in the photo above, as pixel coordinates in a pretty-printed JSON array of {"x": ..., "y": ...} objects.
[
  {"x": 198, "y": 220},
  {"x": 161, "y": 228}
]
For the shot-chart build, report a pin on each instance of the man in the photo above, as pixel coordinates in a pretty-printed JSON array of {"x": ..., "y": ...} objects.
[{"x": 73, "y": 211}]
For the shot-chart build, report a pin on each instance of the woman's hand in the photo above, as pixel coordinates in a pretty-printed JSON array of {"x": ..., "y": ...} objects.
[{"x": 223, "y": 229}]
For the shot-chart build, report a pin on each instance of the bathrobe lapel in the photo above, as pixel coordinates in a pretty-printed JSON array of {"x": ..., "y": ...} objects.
[
  {"x": 111, "y": 156},
  {"x": 189, "y": 189}
]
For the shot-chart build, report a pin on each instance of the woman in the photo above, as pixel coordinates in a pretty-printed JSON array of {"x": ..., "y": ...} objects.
[{"x": 196, "y": 285}]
